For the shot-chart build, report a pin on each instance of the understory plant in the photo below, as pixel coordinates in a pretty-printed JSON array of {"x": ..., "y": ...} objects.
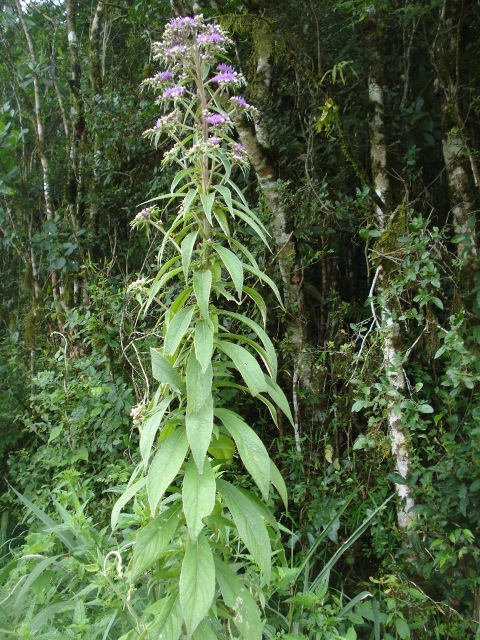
[{"x": 207, "y": 544}]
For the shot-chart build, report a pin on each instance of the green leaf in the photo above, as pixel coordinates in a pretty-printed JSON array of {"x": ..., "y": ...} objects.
[
  {"x": 187, "y": 250},
  {"x": 202, "y": 284},
  {"x": 197, "y": 582},
  {"x": 251, "y": 449},
  {"x": 189, "y": 198},
  {"x": 207, "y": 202},
  {"x": 198, "y": 495},
  {"x": 264, "y": 278},
  {"x": 425, "y": 408},
  {"x": 165, "y": 466},
  {"x": 150, "y": 428},
  {"x": 279, "y": 483},
  {"x": 198, "y": 383},
  {"x": 32, "y": 576},
  {"x": 67, "y": 539},
  {"x": 233, "y": 265},
  {"x": 246, "y": 365},
  {"x": 236, "y": 596},
  {"x": 222, "y": 220},
  {"x": 222, "y": 448},
  {"x": 249, "y": 522},
  {"x": 204, "y": 632},
  {"x": 258, "y": 301},
  {"x": 126, "y": 496},
  {"x": 199, "y": 426},
  {"x": 402, "y": 628},
  {"x": 164, "y": 372},
  {"x": 178, "y": 178},
  {"x": 168, "y": 621},
  {"x": 177, "y": 329},
  {"x": 227, "y": 196},
  {"x": 267, "y": 343},
  {"x": 54, "y": 433},
  {"x": 152, "y": 540},
  {"x": 203, "y": 343},
  {"x": 279, "y": 398}
]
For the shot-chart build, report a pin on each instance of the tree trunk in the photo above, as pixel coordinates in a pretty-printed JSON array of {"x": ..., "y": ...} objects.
[
  {"x": 40, "y": 138},
  {"x": 460, "y": 164},
  {"x": 389, "y": 329}
]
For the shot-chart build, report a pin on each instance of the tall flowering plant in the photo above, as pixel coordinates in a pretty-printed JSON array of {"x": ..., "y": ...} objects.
[{"x": 207, "y": 538}]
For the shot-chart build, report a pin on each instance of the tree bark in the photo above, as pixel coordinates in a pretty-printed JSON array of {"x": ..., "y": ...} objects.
[
  {"x": 389, "y": 329},
  {"x": 460, "y": 164},
  {"x": 40, "y": 138}
]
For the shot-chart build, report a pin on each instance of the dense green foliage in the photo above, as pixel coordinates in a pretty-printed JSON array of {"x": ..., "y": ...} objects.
[{"x": 358, "y": 212}]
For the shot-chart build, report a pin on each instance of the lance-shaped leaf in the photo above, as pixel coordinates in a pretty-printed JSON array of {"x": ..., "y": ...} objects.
[
  {"x": 187, "y": 250},
  {"x": 168, "y": 619},
  {"x": 150, "y": 428},
  {"x": 203, "y": 342},
  {"x": 177, "y": 328},
  {"x": 267, "y": 343},
  {"x": 165, "y": 466},
  {"x": 227, "y": 196},
  {"x": 246, "y": 365},
  {"x": 233, "y": 265},
  {"x": 279, "y": 483},
  {"x": 263, "y": 276},
  {"x": 207, "y": 202},
  {"x": 222, "y": 220},
  {"x": 198, "y": 495},
  {"x": 205, "y": 632},
  {"x": 199, "y": 425},
  {"x": 202, "y": 284},
  {"x": 197, "y": 582},
  {"x": 258, "y": 301},
  {"x": 152, "y": 540},
  {"x": 164, "y": 372},
  {"x": 126, "y": 496},
  {"x": 237, "y": 597},
  {"x": 250, "y": 525},
  {"x": 198, "y": 383},
  {"x": 278, "y": 397},
  {"x": 251, "y": 449},
  {"x": 187, "y": 203}
]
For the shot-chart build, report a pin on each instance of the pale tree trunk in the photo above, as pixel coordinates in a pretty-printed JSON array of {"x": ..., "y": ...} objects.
[
  {"x": 389, "y": 329},
  {"x": 76, "y": 137},
  {"x": 40, "y": 137},
  {"x": 460, "y": 164}
]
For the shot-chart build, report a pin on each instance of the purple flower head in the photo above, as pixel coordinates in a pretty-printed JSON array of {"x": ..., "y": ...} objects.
[
  {"x": 173, "y": 92},
  {"x": 215, "y": 140},
  {"x": 209, "y": 37},
  {"x": 238, "y": 146},
  {"x": 217, "y": 118},
  {"x": 225, "y": 68},
  {"x": 144, "y": 214},
  {"x": 181, "y": 23},
  {"x": 176, "y": 50},
  {"x": 239, "y": 101},
  {"x": 165, "y": 75},
  {"x": 225, "y": 78}
]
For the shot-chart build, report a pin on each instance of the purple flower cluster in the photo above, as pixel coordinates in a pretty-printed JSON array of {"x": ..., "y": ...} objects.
[
  {"x": 225, "y": 78},
  {"x": 217, "y": 118},
  {"x": 173, "y": 92},
  {"x": 189, "y": 49},
  {"x": 185, "y": 38},
  {"x": 144, "y": 214}
]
